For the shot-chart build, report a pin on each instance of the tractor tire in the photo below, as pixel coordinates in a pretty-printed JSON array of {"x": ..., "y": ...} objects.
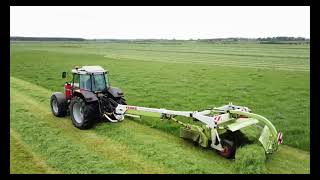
[
  {"x": 229, "y": 149},
  {"x": 83, "y": 115},
  {"x": 59, "y": 104}
]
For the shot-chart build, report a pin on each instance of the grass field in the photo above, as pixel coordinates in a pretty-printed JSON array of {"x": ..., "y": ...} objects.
[{"x": 273, "y": 80}]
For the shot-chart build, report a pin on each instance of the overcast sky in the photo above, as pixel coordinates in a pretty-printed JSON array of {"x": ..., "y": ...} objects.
[{"x": 160, "y": 22}]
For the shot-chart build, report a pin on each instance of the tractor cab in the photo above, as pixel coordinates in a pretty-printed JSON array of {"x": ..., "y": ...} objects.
[
  {"x": 90, "y": 78},
  {"x": 87, "y": 78}
]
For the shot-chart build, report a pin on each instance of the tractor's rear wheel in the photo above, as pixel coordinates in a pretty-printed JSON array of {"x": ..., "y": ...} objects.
[
  {"x": 229, "y": 148},
  {"x": 83, "y": 115},
  {"x": 59, "y": 105}
]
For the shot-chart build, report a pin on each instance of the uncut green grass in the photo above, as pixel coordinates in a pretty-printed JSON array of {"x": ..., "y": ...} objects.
[{"x": 276, "y": 85}]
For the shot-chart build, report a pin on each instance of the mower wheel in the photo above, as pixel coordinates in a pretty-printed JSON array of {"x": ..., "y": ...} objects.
[
  {"x": 83, "y": 115},
  {"x": 229, "y": 148},
  {"x": 59, "y": 105}
]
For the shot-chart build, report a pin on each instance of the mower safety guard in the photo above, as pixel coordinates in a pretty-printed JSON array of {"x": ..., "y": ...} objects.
[
  {"x": 269, "y": 134},
  {"x": 241, "y": 123}
]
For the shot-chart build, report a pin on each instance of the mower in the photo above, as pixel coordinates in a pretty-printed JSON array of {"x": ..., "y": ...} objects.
[{"x": 90, "y": 97}]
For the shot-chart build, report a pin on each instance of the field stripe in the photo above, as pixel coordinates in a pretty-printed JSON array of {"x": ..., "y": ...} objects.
[
  {"x": 163, "y": 147},
  {"x": 218, "y": 59},
  {"x": 21, "y": 151},
  {"x": 218, "y": 51},
  {"x": 286, "y": 157},
  {"x": 226, "y": 61},
  {"x": 220, "y": 63},
  {"x": 88, "y": 143},
  {"x": 61, "y": 152},
  {"x": 213, "y": 53},
  {"x": 103, "y": 146}
]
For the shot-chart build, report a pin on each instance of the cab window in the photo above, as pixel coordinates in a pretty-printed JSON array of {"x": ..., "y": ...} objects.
[
  {"x": 76, "y": 80},
  {"x": 99, "y": 82},
  {"x": 85, "y": 82}
]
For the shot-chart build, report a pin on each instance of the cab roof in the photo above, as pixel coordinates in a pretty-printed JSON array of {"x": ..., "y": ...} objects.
[{"x": 89, "y": 70}]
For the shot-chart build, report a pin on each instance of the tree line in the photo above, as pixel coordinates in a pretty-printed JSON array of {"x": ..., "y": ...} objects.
[
  {"x": 17, "y": 38},
  {"x": 278, "y": 39}
]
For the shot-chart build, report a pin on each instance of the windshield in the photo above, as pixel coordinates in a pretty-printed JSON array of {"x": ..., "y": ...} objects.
[{"x": 100, "y": 82}]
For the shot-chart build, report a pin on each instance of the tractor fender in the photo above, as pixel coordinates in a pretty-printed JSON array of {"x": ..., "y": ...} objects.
[
  {"x": 86, "y": 95},
  {"x": 115, "y": 92}
]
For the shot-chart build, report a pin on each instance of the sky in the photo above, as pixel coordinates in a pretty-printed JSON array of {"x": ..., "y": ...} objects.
[{"x": 159, "y": 22}]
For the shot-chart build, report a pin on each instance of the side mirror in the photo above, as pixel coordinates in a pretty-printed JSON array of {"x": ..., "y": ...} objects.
[{"x": 64, "y": 75}]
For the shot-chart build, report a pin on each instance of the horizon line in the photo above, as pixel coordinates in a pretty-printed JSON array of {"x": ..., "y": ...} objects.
[{"x": 155, "y": 38}]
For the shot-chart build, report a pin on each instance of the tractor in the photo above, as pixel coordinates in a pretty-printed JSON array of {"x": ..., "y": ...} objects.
[{"x": 88, "y": 97}]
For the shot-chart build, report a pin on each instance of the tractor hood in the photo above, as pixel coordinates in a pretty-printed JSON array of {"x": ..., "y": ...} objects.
[{"x": 115, "y": 92}]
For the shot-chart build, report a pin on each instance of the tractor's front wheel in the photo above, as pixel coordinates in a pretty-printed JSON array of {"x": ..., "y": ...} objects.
[
  {"x": 58, "y": 104},
  {"x": 83, "y": 115}
]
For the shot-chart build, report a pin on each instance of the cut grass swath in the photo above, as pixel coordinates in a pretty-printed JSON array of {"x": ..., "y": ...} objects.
[{"x": 250, "y": 159}]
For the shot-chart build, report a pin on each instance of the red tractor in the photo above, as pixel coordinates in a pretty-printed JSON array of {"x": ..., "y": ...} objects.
[{"x": 87, "y": 98}]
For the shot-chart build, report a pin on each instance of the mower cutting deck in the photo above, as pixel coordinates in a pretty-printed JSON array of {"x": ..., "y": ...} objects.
[{"x": 89, "y": 97}]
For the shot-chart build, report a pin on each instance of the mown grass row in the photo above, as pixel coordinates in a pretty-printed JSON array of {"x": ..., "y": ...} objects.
[
  {"x": 290, "y": 52},
  {"x": 209, "y": 58},
  {"x": 23, "y": 160},
  {"x": 249, "y": 49},
  {"x": 219, "y": 63}
]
